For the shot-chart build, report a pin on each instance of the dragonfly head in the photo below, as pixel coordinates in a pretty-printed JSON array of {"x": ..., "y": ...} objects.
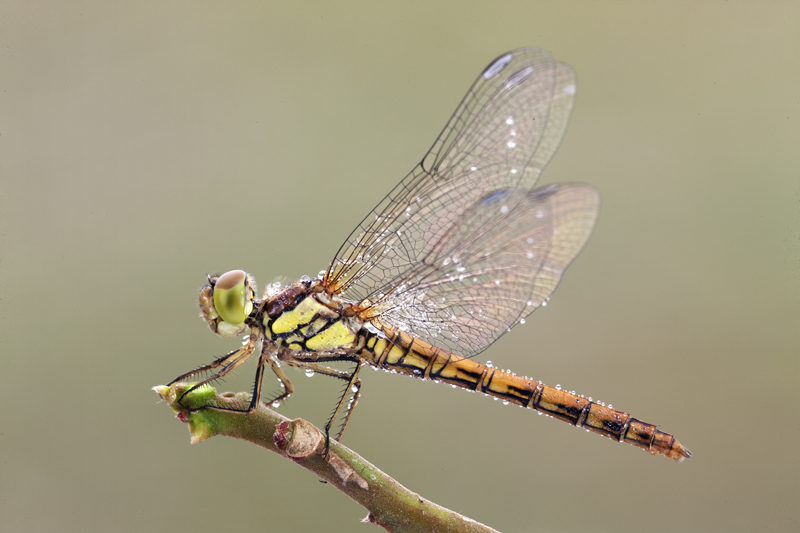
[{"x": 227, "y": 301}]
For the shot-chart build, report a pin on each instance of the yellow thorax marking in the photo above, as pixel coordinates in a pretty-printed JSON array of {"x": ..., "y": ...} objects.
[
  {"x": 302, "y": 314},
  {"x": 338, "y": 335}
]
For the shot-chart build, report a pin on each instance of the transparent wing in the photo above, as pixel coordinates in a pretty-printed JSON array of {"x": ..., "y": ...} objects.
[
  {"x": 440, "y": 255},
  {"x": 480, "y": 283}
]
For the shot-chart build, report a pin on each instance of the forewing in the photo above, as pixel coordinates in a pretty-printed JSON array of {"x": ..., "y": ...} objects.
[{"x": 494, "y": 148}]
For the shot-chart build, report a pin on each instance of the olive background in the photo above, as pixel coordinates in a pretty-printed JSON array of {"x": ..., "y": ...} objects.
[{"x": 146, "y": 144}]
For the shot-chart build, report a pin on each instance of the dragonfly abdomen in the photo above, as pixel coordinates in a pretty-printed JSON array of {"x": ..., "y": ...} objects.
[
  {"x": 398, "y": 351},
  {"x": 600, "y": 419}
]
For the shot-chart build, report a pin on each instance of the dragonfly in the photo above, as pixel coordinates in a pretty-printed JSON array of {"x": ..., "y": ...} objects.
[{"x": 459, "y": 252}]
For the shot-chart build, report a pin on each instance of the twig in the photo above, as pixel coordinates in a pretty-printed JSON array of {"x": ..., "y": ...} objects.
[{"x": 390, "y": 505}]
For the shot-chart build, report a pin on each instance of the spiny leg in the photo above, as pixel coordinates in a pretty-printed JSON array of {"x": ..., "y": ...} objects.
[
  {"x": 300, "y": 361},
  {"x": 324, "y": 370},
  {"x": 353, "y": 383},
  {"x": 309, "y": 363},
  {"x": 266, "y": 356},
  {"x": 228, "y": 362},
  {"x": 267, "y": 352},
  {"x": 297, "y": 363}
]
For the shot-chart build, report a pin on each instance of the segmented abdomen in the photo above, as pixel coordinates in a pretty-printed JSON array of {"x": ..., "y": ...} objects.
[{"x": 393, "y": 349}]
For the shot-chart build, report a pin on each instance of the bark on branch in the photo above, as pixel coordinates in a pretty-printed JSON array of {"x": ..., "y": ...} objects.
[{"x": 390, "y": 505}]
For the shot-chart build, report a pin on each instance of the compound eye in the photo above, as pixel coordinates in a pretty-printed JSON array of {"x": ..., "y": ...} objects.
[{"x": 231, "y": 297}]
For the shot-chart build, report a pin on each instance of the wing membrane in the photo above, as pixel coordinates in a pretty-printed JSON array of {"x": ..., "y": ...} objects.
[
  {"x": 441, "y": 255},
  {"x": 479, "y": 283}
]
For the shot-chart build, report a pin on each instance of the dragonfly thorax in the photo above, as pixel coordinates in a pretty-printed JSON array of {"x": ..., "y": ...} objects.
[{"x": 304, "y": 318}]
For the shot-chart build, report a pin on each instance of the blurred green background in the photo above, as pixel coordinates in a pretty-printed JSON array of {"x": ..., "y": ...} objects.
[{"x": 145, "y": 144}]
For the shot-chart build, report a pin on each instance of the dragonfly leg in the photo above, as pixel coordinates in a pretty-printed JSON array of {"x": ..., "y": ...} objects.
[
  {"x": 305, "y": 362},
  {"x": 300, "y": 361},
  {"x": 323, "y": 370},
  {"x": 266, "y": 356},
  {"x": 353, "y": 384},
  {"x": 226, "y": 363}
]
